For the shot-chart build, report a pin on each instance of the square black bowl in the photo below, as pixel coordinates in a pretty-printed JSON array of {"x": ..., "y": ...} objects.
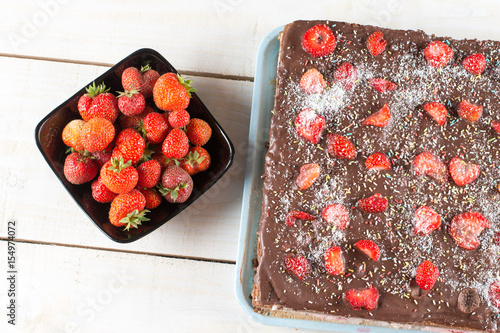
[{"x": 48, "y": 136}]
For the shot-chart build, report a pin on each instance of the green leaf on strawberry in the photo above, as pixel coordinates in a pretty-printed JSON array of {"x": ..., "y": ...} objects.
[{"x": 134, "y": 219}]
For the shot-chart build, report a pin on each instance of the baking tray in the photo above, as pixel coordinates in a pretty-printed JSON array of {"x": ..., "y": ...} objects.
[{"x": 262, "y": 105}]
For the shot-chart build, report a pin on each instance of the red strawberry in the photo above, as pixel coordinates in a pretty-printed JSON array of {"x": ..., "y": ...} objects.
[
  {"x": 176, "y": 184},
  {"x": 71, "y": 134},
  {"x": 438, "y": 54},
  {"x": 494, "y": 293},
  {"x": 197, "y": 160},
  {"x": 437, "y": 111},
  {"x": 380, "y": 118},
  {"x": 79, "y": 169},
  {"x": 134, "y": 121},
  {"x": 426, "y": 220},
  {"x": 373, "y": 204},
  {"x": 308, "y": 175},
  {"x": 312, "y": 82},
  {"x": 469, "y": 111},
  {"x": 156, "y": 127},
  {"x": 97, "y": 134},
  {"x": 496, "y": 126},
  {"x": 100, "y": 192},
  {"x": 118, "y": 176},
  {"x": 296, "y": 214},
  {"x": 149, "y": 173},
  {"x": 430, "y": 165},
  {"x": 378, "y": 161},
  {"x": 298, "y": 266},
  {"x": 336, "y": 215},
  {"x": 129, "y": 145},
  {"x": 172, "y": 92},
  {"x": 310, "y": 125},
  {"x": 176, "y": 144},
  {"x": 178, "y": 118},
  {"x": 463, "y": 172},
  {"x": 127, "y": 209},
  {"x": 346, "y": 74},
  {"x": 198, "y": 131},
  {"x": 131, "y": 102},
  {"x": 319, "y": 41},
  {"x": 100, "y": 157},
  {"x": 369, "y": 248},
  {"x": 376, "y": 43},
  {"x": 334, "y": 262},
  {"x": 98, "y": 102},
  {"x": 496, "y": 238},
  {"x": 475, "y": 63},
  {"x": 382, "y": 85},
  {"x": 362, "y": 298},
  {"x": 142, "y": 80},
  {"x": 466, "y": 228},
  {"x": 341, "y": 147},
  {"x": 426, "y": 275},
  {"x": 153, "y": 198}
]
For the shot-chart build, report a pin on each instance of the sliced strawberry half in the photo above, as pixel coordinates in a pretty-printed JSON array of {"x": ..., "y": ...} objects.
[
  {"x": 319, "y": 40},
  {"x": 378, "y": 161},
  {"x": 346, "y": 74},
  {"x": 368, "y": 248},
  {"x": 334, "y": 262},
  {"x": 336, "y": 215},
  {"x": 312, "y": 82},
  {"x": 438, "y": 54},
  {"x": 382, "y": 85},
  {"x": 426, "y": 275},
  {"x": 426, "y": 220},
  {"x": 437, "y": 111},
  {"x": 310, "y": 125},
  {"x": 496, "y": 126},
  {"x": 373, "y": 204},
  {"x": 298, "y": 266},
  {"x": 468, "y": 111},
  {"x": 297, "y": 214},
  {"x": 475, "y": 63},
  {"x": 380, "y": 118},
  {"x": 376, "y": 43},
  {"x": 362, "y": 298},
  {"x": 463, "y": 172},
  {"x": 308, "y": 175},
  {"x": 341, "y": 147},
  {"x": 430, "y": 165},
  {"x": 494, "y": 293},
  {"x": 466, "y": 228}
]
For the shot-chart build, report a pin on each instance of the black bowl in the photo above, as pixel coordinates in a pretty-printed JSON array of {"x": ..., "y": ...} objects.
[{"x": 48, "y": 136}]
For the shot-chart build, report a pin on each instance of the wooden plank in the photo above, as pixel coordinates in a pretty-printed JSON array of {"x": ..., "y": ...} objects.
[{"x": 33, "y": 196}]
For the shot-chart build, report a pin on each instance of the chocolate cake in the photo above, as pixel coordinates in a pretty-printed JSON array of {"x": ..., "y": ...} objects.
[{"x": 380, "y": 199}]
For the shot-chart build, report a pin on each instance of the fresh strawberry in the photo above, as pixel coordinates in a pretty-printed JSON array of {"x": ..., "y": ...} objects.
[
  {"x": 368, "y": 248},
  {"x": 153, "y": 198},
  {"x": 346, "y": 74},
  {"x": 160, "y": 158},
  {"x": 134, "y": 121},
  {"x": 373, "y": 204},
  {"x": 176, "y": 144},
  {"x": 172, "y": 92},
  {"x": 437, "y": 111},
  {"x": 119, "y": 176},
  {"x": 469, "y": 111},
  {"x": 98, "y": 102},
  {"x": 465, "y": 229},
  {"x": 426, "y": 275},
  {"x": 298, "y": 266},
  {"x": 71, "y": 134},
  {"x": 312, "y": 82},
  {"x": 430, "y": 165},
  {"x": 197, "y": 160},
  {"x": 382, "y": 85},
  {"x": 100, "y": 192},
  {"x": 156, "y": 127},
  {"x": 297, "y": 214},
  {"x": 308, "y": 175},
  {"x": 475, "y": 63},
  {"x": 176, "y": 184},
  {"x": 131, "y": 102},
  {"x": 378, "y": 161},
  {"x": 438, "y": 54},
  {"x": 79, "y": 169},
  {"x": 341, "y": 147},
  {"x": 178, "y": 118},
  {"x": 426, "y": 220},
  {"x": 496, "y": 126},
  {"x": 334, "y": 262},
  {"x": 198, "y": 131},
  {"x": 100, "y": 157},
  {"x": 127, "y": 209},
  {"x": 494, "y": 293},
  {"x": 376, "y": 43},
  {"x": 149, "y": 174},
  {"x": 380, "y": 118},
  {"x": 319, "y": 40},
  {"x": 142, "y": 80},
  {"x": 362, "y": 298},
  {"x": 129, "y": 145},
  {"x": 463, "y": 172},
  {"x": 97, "y": 134},
  {"x": 336, "y": 215},
  {"x": 310, "y": 125}
]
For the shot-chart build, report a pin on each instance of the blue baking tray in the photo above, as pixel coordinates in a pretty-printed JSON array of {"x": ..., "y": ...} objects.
[{"x": 262, "y": 105}]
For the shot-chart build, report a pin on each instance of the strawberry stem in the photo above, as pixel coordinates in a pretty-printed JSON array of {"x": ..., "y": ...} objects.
[
  {"x": 134, "y": 219},
  {"x": 186, "y": 84},
  {"x": 145, "y": 68},
  {"x": 93, "y": 90},
  {"x": 118, "y": 164}
]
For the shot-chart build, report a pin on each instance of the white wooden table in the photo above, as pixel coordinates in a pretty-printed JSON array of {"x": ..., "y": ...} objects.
[{"x": 70, "y": 276}]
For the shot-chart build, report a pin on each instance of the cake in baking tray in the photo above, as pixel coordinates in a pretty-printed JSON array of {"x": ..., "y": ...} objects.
[{"x": 380, "y": 199}]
